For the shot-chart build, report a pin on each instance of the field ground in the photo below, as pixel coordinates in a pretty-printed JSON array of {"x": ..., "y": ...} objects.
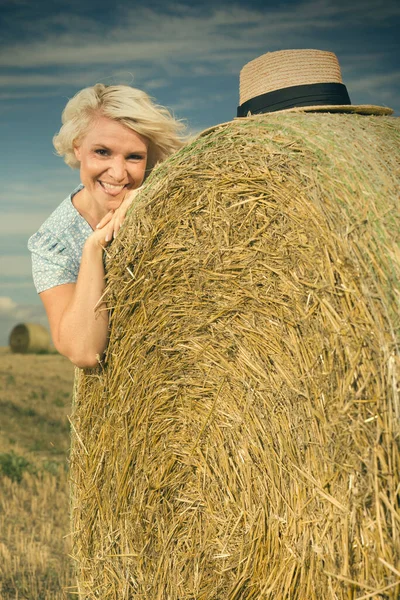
[{"x": 35, "y": 401}]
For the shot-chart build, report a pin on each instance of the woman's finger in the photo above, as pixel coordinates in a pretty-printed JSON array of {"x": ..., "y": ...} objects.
[{"x": 110, "y": 231}]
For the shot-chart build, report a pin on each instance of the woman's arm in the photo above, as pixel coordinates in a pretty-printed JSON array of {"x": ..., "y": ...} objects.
[{"x": 78, "y": 318}]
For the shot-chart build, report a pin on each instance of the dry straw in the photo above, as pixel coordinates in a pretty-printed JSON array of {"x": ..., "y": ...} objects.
[
  {"x": 241, "y": 439},
  {"x": 29, "y": 338}
]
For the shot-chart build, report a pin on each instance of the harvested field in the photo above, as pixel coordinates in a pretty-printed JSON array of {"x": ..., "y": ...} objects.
[
  {"x": 35, "y": 402},
  {"x": 241, "y": 439}
]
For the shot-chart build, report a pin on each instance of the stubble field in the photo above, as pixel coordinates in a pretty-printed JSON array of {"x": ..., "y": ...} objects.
[{"x": 35, "y": 402}]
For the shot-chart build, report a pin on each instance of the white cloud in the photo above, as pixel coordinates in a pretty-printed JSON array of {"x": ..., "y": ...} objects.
[
  {"x": 12, "y": 313},
  {"x": 24, "y": 95},
  {"x": 175, "y": 36},
  {"x": 21, "y": 223},
  {"x": 15, "y": 266},
  {"x": 154, "y": 48},
  {"x": 368, "y": 87},
  {"x": 20, "y": 198},
  {"x": 7, "y": 305},
  {"x": 28, "y": 313},
  {"x": 376, "y": 81},
  {"x": 155, "y": 84},
  {"x": 68, "y": 78},
  {"x": 15, "y": 286}
]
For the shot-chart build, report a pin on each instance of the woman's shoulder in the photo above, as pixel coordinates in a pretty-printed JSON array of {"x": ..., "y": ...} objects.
[
  {"x": 63, "y": 216},
  {"x": 64, "y": 222}
]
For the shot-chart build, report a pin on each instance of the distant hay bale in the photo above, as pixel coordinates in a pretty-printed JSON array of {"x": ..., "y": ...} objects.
[
  {"x": 29, "y": 338},
  {"x": 241, "y": 440}
]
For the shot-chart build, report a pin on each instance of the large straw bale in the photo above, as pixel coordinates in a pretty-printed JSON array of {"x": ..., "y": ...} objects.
[
  {"x": 241, "y": 440},
  {"x": 29, "y": 338}
]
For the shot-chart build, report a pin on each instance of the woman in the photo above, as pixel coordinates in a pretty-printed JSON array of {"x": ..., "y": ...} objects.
[{"x": 115, "y": 135}]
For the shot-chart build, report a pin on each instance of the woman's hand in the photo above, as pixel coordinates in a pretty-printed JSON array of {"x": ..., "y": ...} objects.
[{"x": 112, "y": 221}]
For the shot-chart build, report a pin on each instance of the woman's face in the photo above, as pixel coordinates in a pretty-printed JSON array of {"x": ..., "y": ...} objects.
[{"x": 112, "y": 161}]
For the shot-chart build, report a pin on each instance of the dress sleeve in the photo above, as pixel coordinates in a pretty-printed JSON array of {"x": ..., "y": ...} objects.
[{"x": 52, "y": 263}]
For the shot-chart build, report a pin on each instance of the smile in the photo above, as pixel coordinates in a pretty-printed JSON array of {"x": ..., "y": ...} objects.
[{"x": 111, "y": 188}]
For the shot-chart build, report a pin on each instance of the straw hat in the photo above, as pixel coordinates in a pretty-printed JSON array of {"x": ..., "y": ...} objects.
[{"x": 297, "y": 80}]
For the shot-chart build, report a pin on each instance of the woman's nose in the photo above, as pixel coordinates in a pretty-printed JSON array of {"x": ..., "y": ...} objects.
[{"x": 118, "y": 168}]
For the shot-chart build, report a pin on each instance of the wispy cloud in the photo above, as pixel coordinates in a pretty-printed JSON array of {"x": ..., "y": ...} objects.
[
  {"x": 7, "y": 305},
  {"x": 144, "y": 35},
  {"x": 15, "y": 266},
  {"x": 25, "y": 285},
  {"x": 69, "y": 78},
  {"x": 23, "y": 312},
  {"x": 177, "y": 45},
  {"x": 376, "y": 81},
  {"x": 21, "y": 223},
  {"x": 12, "y": 313},
  {"x": 20, "y": 198}
]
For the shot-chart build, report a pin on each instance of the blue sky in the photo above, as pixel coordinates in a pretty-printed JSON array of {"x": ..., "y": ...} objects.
[{"x": 187, "y": 55}]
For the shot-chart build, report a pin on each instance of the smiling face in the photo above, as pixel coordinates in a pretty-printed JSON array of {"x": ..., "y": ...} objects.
[{"x": 112, "y": 161}]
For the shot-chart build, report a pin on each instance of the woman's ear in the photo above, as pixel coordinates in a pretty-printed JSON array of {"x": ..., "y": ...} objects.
[{"x": 77, "y": 152}]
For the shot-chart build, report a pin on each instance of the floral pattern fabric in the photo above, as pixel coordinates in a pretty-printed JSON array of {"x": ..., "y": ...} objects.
[{"x": 58, "y": 245}]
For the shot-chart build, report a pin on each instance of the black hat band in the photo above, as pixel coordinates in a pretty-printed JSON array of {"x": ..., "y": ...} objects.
[{"x": 314, "y": 94}]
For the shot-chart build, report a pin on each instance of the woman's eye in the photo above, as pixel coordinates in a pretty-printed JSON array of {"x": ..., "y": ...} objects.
[
  {"x": 101, "y": 152},
  {"x": 135, "y": 157}
]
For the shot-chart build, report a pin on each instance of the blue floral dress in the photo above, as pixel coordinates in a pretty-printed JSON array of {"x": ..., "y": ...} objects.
[{"x": 58, "y": 245}]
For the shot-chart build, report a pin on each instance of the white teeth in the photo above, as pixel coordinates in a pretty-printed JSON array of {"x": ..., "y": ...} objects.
[{"x": 111, "y": 186}]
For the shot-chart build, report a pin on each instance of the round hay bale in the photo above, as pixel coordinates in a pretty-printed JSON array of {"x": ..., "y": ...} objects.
[
  {"x": 241, "y": 439},
  {"x": 29, "y": 338}
]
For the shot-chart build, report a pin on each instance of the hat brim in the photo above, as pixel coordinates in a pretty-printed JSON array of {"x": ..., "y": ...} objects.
[{"x": 362, "y": 109}]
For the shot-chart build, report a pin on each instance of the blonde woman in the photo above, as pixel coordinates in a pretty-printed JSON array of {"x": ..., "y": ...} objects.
[{"x": 115, "y": 135}]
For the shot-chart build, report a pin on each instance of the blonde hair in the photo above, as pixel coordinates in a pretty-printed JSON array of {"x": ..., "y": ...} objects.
[{"x": 129, "y": 106}]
